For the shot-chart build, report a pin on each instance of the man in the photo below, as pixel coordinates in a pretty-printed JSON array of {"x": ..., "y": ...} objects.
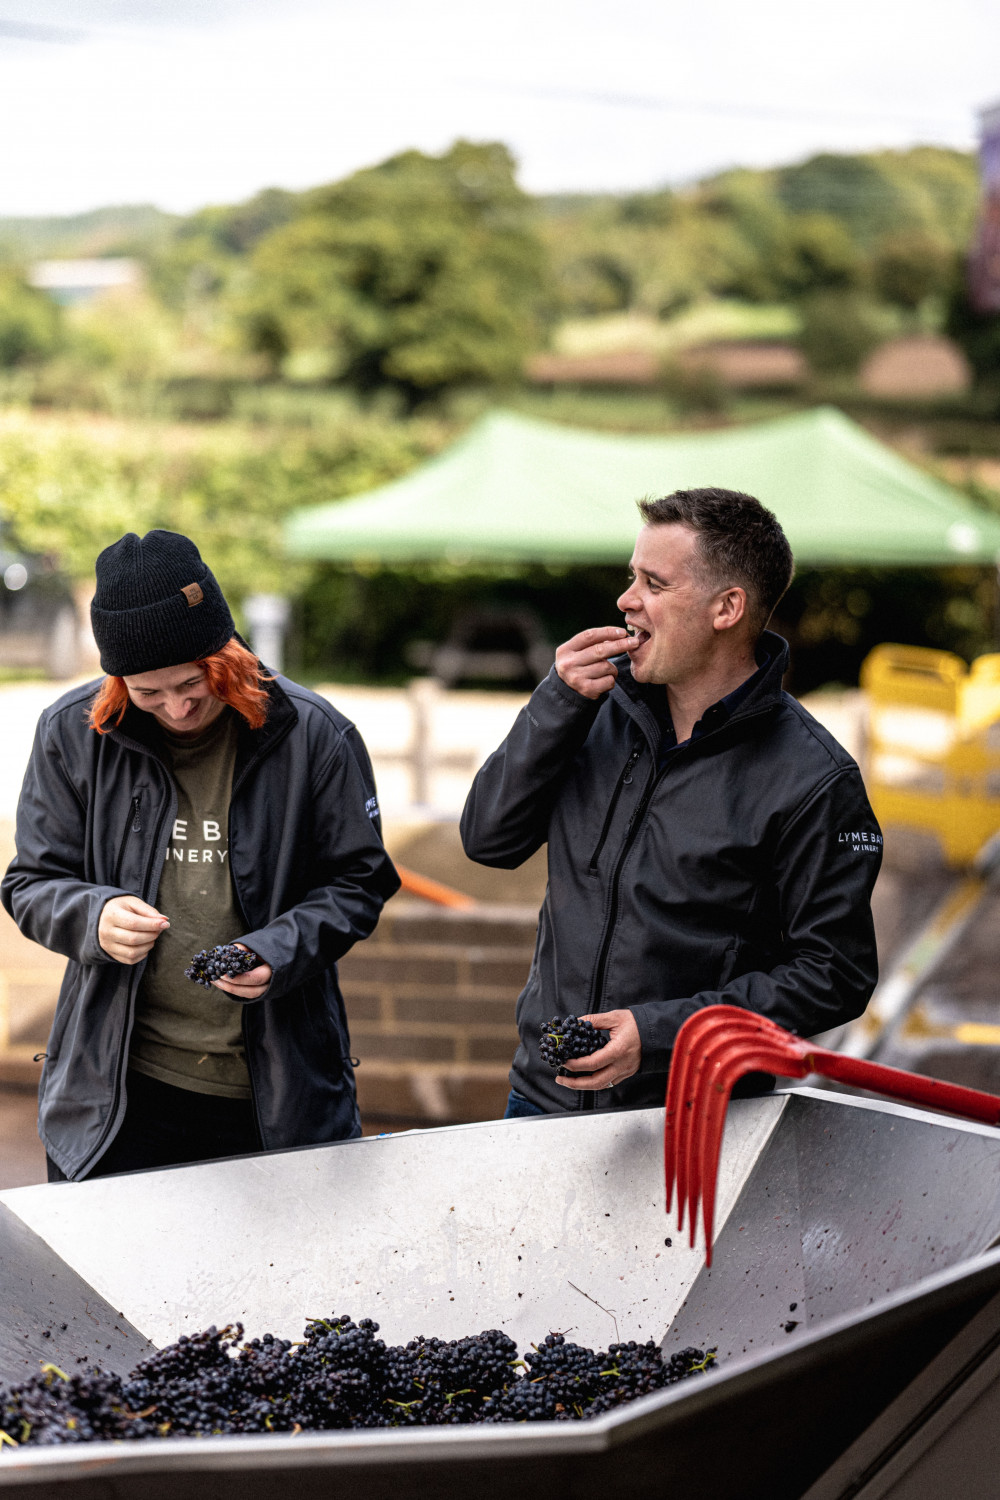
[
  {"x": 188, "y": 800},
  {"x": 708, "y": 841}
]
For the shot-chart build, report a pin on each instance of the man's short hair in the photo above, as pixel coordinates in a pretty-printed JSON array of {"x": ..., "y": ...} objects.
[{"x": 739, "y": 542}]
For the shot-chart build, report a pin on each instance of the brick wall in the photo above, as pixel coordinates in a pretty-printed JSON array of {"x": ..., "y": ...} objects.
[{"x": 430, "y": 999}]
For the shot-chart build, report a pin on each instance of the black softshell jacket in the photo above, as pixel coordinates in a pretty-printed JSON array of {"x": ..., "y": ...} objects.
[
  {"x": 310, "y": 875},
  {"x": 740, "y": 873}
]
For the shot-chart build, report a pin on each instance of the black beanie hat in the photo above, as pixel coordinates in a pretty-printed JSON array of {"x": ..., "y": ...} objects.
[{"x": 157, "y": 605}]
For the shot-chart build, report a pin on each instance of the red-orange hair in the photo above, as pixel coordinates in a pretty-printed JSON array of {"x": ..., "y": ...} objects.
[{"x": 233, "y": 674}]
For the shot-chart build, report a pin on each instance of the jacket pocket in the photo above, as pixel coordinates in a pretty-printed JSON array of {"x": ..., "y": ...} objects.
[
  {"x": 729, "y": 964},
  {"x": 624, "y": 780},
  {"x": 67, "y": 1005},
  {"x": 526, "y": 997},
  {"x": 132, "y": 825}
]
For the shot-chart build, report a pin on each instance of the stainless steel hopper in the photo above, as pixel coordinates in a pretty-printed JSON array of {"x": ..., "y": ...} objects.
[{"x": 852, "y": 1247}]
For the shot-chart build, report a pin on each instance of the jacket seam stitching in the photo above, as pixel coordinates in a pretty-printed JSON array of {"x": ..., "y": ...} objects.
[
  {"x": 814, "y": 792},
  {"x": 805, "y": 719},
  {"x": 49, "y": 749},
  {"x": 328, "y": 712}
]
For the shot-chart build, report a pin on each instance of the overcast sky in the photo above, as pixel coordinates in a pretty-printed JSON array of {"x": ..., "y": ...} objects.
[{"x": 187, "y": 102}]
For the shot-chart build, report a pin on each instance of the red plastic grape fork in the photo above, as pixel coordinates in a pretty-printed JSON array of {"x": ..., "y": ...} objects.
[{"x": 719, "y": 1045}]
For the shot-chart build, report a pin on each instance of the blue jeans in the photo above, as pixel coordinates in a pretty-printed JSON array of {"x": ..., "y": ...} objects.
[{"x": 520, "y": 1108}]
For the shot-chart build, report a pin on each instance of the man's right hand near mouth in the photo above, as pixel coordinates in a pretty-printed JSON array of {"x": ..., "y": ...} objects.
[{"x": 583, "y": 663}]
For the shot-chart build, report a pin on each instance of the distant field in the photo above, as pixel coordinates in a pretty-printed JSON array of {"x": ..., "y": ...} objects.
[{"x": 706, "y": 322}]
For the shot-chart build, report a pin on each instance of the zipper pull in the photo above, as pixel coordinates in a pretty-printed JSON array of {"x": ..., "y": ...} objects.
[
  {"x": 636, "y": 752},
  {"x": 136, "y": 825}
]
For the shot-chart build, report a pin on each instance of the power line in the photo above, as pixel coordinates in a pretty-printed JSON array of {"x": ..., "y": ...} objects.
[
  {"x": 723, "y": 108},
  {"x": 31, "y": 31}
]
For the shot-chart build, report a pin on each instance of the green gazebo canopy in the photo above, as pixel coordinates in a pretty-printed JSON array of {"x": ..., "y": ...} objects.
[{"x": 515, "y": 489}]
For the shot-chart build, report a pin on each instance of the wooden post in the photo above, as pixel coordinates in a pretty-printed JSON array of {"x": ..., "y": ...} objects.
[{"x": 424, "y": 693}]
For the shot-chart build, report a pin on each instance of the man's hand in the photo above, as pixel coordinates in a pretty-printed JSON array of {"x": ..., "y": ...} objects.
[
  {"x": 617, "y": 1060},
  {"x": 583, "y": 664},
  {"x": 128, "y": 928},
  {"x": 248, "y": 986}
]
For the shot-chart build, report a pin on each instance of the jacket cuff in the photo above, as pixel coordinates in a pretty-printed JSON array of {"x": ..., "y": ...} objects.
[
  {"x": 257, "y": 942},
  {"x": 554, "y": 683},
  {"x": 97, "y": 899},
  {"x": 658, "y": 1024}
]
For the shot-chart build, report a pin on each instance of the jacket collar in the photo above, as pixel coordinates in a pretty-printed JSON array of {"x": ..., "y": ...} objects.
[
  {"x": 138, "y": 730},
  {"x": 764, "y": 696}
]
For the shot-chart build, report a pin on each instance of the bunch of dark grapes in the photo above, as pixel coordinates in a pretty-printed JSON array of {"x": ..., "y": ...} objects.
[
  {"x": 335, "y": 1379},
  {"x": 190, "y": 1387},
  {"x": 340, "y": 1375},
  {"x": 634, "y": 1370},
  {"x": 560, "y": 1382},
  {"x": 437, "y": 1382},
  {"x": 221, "y": 962},
  {"x": 568, "y": 1036},
  {"x": 55, "y": 1407}
]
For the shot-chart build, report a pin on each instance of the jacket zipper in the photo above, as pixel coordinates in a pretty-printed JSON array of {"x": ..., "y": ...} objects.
[
  {"x": 625, "y": 779},
  {"x": 247, "y": 1050},
  {"x": 590, "y": 1100},
  {"x": 133, "y": 825},
  {"x": 244, "y": 1008}
]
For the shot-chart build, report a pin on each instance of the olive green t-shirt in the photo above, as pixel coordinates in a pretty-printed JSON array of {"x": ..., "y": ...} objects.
[{"x": 183, "y": 1034}]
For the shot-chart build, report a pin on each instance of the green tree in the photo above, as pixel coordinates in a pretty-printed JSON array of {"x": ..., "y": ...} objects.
[
  {"x": 66, "y": 494},
  {"x": 978, "y": 336},
  {"x": 782, "y": 258},
  {"x": 420, "y": 274},
  {"x": 128, "y": 332},
  {"x": 30, "y": 322},
  {"x": 595, "y": 284},
  {"x": 886, "y": 192},
  {"x": 909, "y": 267},
  {"x": 205, "y": 250},
  {"x": 839, "y": 330},
  {"x": 814, "y": 253}
]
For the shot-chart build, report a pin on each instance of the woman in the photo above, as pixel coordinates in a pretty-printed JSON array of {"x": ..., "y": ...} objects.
[{"x": 192, "y": 799}]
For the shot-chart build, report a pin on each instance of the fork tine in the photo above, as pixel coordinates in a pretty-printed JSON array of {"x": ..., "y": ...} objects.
[
  {"x": 722, "y": 1063},
  {"x": 743, "y": 1057},
  {"x": 719, "y": 1045},
  {"x": 680, "y": 1090},
  {"x": 726, "y": 1071},
  {"x": 677, "y": 1109},
  {"x": 703, "y": 1036},
  {"x": 706, "y": 1114},
  {"x": 720, "y": 1025},
  {"x": 706, "y": 1144},
  {"x": 714, "y": 1048},
  {"x": 671, "y": 1122},
  {"x": 693, "y": 1037}
]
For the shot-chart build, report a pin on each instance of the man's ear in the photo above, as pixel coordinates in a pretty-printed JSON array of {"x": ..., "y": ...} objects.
[{"x": 730, "y": 608}]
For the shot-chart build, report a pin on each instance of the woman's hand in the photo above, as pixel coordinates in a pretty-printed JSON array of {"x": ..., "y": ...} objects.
[
  {"x": 248, "y": 986},
  {"x": 128, "y": 928}
]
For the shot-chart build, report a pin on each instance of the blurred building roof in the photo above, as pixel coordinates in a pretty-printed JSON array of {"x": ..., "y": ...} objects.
[{"x": 79, "y": 280}]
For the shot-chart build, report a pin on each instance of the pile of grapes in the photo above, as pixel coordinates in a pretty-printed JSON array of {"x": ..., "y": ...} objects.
[
  {"x": 340, "y": 1375},
  {"x": 220, "y": 963},
  {"x": 568, "y": 1036}
]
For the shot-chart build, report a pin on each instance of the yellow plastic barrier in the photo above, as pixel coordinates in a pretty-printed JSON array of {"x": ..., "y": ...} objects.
[{"x": 933, "y": 750}]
